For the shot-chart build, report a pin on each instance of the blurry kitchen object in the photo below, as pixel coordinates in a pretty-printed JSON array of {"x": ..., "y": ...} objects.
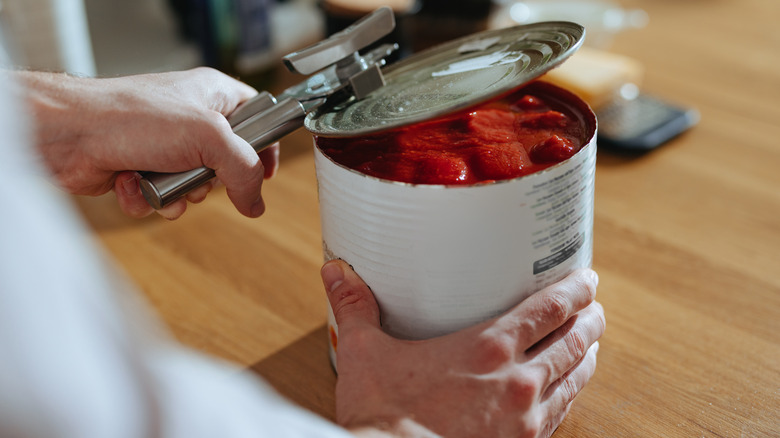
[
  {"x": 602, "y": 18},
  {"x": 340, "y": 14},
  {"x": 254, "y": 45},
  {"x": 420, "y": 24},
  {"x": 628, "y": 119},
  {"x": 137, "y": 37},
  {"x": 247, "y": 37},
  {"x": 439, "y": 21},
  {"x": 642, "y": 123},
  {"x": 48, "y": 35},
  {"x": 597, "y": 76}
]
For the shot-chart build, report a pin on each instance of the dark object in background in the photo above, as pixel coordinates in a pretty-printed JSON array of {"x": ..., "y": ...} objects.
[
  {"x": 420, "y": 25},
  {"x": 339, "y": 15},
  {"x": 182, "y": 12},
  {"x": 642, "y": 123},
  {"x": 225, "y": 30},
  {"x": 439, "y": 21}
]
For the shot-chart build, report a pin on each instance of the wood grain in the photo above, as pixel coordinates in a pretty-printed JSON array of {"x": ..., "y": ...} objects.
[{"x": 687, "y": 245}]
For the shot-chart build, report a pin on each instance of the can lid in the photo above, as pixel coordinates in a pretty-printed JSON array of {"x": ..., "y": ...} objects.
[{"x": 450, "y": 77}]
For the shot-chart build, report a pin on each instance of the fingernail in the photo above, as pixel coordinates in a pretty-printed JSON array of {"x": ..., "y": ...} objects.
[
  {"x": 130, "y": 186},
  {"x": 332, "y": 275}
]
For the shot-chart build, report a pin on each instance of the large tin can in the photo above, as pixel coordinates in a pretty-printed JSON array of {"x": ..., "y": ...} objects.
[{"x": 440, "y": 258}]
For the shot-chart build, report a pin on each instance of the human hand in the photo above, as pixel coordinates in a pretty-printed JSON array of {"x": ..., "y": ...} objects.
[
  {"x": 94, "y": 134},
  {"x": 512, "y": 376}
]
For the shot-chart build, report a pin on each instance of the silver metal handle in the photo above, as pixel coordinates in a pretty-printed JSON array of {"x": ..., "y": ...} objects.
[
  {"x": 261, "y": 121},
  {"x": 343, "y": 44},
  {"x": 261, "y": 102},
  {"x": 259, "y": 129}
]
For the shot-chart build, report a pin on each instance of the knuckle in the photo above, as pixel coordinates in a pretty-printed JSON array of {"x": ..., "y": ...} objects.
[
  {"x": 569, "y": 390},
  {"x": 205, "y": 72},
  {"x": 576, "y": 344},
  {"x": 220, "y": 145},
  {"x": 348, "y": 300},
  {"x": 217, "y": 122},
  {"x": 557, "y": 307},
  {"x": 206, "y": 127},
  {"x": 523, "y": 388},
  {"x": 495, "y": 350},
  {"x": 345, "y": 300}
]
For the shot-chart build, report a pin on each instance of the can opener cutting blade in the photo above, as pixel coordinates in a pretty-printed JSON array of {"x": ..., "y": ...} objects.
[{"x": 265, "y": 118}]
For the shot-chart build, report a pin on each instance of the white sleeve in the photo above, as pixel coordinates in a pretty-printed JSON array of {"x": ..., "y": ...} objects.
[{"x": 76, "y": 356}]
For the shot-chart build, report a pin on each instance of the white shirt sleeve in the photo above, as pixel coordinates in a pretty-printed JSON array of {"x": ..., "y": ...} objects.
[{"x": 79, "y": 356}]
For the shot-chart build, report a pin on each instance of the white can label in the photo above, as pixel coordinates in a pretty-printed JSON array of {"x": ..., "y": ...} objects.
[{"x": 439, "y": 259}]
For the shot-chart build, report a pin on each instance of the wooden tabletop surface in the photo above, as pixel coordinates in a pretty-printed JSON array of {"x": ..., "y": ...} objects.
[{"x": 687, "y": 245}]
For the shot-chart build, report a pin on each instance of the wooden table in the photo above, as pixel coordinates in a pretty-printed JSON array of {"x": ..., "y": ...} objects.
[{"x": 687, "y": 244}]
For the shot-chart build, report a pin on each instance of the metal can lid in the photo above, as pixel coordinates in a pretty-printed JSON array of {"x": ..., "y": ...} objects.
[{"x": 450, "y": 77}]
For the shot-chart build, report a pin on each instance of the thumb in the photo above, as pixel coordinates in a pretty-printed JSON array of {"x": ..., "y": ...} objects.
[{"x": 350, "y": 298}]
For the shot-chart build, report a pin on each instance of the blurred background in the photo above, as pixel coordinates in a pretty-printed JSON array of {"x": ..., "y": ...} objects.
[{"x": 246, "y": 38}]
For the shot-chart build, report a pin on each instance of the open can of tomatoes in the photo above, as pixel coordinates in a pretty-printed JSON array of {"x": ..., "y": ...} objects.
[{"x": 463, "y": 185}]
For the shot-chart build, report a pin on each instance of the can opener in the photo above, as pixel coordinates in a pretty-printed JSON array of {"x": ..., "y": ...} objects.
[{"x": 265, "y": 118}]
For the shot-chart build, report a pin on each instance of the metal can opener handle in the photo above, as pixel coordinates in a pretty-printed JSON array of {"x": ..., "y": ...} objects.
[{"x": 265, "y": 119}]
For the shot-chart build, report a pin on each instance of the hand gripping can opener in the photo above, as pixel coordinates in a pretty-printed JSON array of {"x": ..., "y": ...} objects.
[{"x": 265, "y": 118}]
